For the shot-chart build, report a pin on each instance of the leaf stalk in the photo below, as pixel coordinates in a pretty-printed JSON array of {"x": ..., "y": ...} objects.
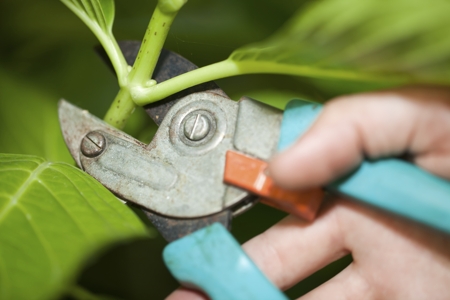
[
  {"x": 106, "y": 39},
  {"x": 226, "y": 68}
]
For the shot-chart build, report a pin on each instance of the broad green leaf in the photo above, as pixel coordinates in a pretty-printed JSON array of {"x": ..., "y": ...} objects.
[
  {"x": 53, "y": 217},
  {"x": 98, "y": 15},
  {"x": 404, "y": 40}
]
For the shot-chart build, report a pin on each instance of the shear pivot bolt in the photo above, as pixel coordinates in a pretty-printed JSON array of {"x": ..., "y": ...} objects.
[
  {"x": 93, "y": 144},
  {"x": 196, "y": 127}
]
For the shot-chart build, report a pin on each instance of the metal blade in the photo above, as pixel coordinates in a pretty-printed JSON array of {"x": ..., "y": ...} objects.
[
  {"x": 76, "y": 124},
  {"x": 172, "y": 229}
]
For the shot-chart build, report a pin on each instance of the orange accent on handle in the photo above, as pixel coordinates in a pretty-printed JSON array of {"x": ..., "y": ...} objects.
[{"x": 249, "y": 174}]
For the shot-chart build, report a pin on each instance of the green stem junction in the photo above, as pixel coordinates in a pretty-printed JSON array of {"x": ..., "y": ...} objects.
[{"x": 145, "y": 63}]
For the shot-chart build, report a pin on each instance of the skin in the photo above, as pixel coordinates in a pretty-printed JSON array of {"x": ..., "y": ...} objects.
[{"x": 393, "y": 258}]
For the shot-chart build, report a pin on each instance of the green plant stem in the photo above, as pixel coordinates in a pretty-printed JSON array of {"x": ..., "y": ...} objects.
[
  {"x": 151, "y": 46},
  {"x": 116, "y": 57},
  {"x": 121, "y": 109},
  {"x": 145, "y": 63},
  {"x": 145, "y": 95}
]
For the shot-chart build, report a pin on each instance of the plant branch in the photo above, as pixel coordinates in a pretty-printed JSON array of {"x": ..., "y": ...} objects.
[
  {"x": 121, "y": 109},
  {"x": 153, "y": 41},
  {"x": 145, "y": 95},
  {"x": 145, "y": 63},
  {"x": 116, "y": 57}
]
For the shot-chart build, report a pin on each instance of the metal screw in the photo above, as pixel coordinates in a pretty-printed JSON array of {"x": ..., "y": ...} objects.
[
  {"x": 93, "y": 144},
  {"x": 196, "y": 127}
]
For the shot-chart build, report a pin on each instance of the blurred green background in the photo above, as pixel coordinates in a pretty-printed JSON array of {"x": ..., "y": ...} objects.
[{"x": 46, "y": 53}]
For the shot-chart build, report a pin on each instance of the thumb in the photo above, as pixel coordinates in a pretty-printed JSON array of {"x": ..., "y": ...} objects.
[{"x": 413, "y": 121}]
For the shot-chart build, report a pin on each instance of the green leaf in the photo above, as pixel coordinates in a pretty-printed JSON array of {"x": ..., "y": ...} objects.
[
  {"x": 98, "y": 15},
  {"x": 375, "y": 40},
  {"x": 383, "y": 43},
  {"x": 53, "y": 217},
  {"x": 94, "y": 12},
  {"x": 108, "y": 11}
]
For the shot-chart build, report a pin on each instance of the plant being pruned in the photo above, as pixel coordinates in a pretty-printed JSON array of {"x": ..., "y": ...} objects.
[
  {"x": 393, "y": 42},
  {"x": 369, "y": 41},
  {"x": 98, "y": 15}
]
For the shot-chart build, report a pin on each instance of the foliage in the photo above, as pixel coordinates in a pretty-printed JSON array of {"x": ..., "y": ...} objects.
[
  {"x": 365, "y": 40},
  {"x": 98, "y": 15},
  {"x": 52, "y": 218},
  {"x": 390, "y": 42},
  {"x": 336, "y": 46}
]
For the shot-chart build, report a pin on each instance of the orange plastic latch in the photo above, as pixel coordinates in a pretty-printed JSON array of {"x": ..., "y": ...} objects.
[{"x": 249, "y": 174}]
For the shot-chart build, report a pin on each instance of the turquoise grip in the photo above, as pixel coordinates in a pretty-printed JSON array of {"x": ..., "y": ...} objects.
[
  {"x": 211, "y": 260},
  {"x": 391, "y": 184}
]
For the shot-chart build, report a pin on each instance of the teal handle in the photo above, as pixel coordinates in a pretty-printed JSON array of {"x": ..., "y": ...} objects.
[
  {"x": 390, "y": 184},
  {"x": 211, "y": 260}
]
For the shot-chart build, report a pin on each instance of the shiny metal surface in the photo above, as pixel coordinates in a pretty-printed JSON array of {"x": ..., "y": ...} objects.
[
  {"x": 257, "y": 128},
  {"x": 76, "y": 123},
  {"x": 197, "y": 126},
  {"x": 171, "y": 176},
  {"x": 93, "y": 144}
]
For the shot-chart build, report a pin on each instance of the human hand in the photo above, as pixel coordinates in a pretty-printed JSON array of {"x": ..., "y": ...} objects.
[{"x": 392, "y": 258}]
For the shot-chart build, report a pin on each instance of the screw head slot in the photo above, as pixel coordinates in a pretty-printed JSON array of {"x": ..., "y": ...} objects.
[
  {"x": 93, "y": 144},
  {"x": 197, "y": 127}
]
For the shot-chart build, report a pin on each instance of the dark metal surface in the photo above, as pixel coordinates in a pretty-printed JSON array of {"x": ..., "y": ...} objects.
[
  {"x": 173, "y": 229},
  {"x": 169, "y": 65}
]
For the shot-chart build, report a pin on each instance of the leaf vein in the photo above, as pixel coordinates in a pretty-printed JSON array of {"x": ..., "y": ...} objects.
[
  {"x": 99, "y": 196},
  {"x": 14, "y": 199},
  {"x": 54, "y": 263},
  {"x": 108, "y": 225},
  {"x": 15, "y": 169},
  {"x": 71, "y": 217}
]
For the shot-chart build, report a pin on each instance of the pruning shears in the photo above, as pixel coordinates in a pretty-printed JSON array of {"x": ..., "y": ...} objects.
[{"x": 206, "y": 164}]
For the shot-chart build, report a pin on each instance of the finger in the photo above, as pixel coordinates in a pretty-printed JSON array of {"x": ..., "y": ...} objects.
[
  {"x": 393, "y": 258},
  {"x": 347, "y": 285},
  {"x": 414, "y": 120},
  {"x": 293, "y": 249},
  {"x": 186, "y": 294},
  {"x": 315, "y": 246}
]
